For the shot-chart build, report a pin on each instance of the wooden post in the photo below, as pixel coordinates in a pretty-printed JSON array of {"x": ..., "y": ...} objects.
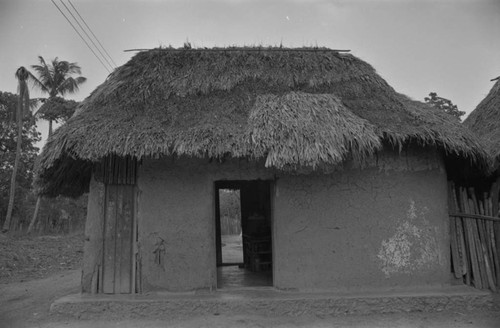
[{"x": 35, "y": 214}]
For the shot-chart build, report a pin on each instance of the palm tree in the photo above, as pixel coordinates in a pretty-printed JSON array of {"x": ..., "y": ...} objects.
[
  {"x": 55, "y": 79},
  {"x": 23, "y": 102}
]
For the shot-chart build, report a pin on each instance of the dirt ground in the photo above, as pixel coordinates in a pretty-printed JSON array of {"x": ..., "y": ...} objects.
[
  {"x": 25, "y": 299},
  {"x": 27, "y": 257}
]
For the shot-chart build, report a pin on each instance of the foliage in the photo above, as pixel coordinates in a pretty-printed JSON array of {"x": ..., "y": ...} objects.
[
  {"x": 8, "y": 139},
  {"x": 26, "y": 257},
  {"x": 57, "y": 108},
  {"x": 444, "y": 104},
  {"x": 230, "y": 211},
  {"x": 56, "y": 79}
]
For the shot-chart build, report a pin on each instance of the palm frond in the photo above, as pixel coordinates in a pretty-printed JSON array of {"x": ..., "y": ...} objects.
[
  {"x": 45, "y": 75},
  {"x": 73, "y": 68},
  {"x": 37, "y": 83},
  {"x": 55, "y": 77},
  {"x": 70, "y": 85}
]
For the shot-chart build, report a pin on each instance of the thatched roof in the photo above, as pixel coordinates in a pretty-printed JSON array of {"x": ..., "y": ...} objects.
[
  {"x": 485, "y": 122},
  {"x": 291, "y": 107}
]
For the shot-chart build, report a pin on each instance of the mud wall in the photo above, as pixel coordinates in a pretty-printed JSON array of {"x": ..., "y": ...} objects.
[
  {"x": 176, "y": 221},
  {"x": 384, "y": 226}
]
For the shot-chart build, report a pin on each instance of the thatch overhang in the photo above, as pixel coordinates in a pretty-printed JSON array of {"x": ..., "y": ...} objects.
[
  {"x": 294, "y": 108},
  {"x": 484, "y": 121}
]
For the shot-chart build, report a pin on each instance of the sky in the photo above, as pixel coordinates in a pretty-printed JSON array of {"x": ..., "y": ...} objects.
[{"x": 451, "y": 47}]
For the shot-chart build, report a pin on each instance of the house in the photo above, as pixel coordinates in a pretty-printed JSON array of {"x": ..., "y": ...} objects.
[
  {"x": 346, "y": 176},
  {"x": 484, "y": 120}
]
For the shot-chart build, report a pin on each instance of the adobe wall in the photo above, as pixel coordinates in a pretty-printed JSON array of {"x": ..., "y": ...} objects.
[
  {"x": 384, "y": 226},
  {"x": 176, "y": 222}
]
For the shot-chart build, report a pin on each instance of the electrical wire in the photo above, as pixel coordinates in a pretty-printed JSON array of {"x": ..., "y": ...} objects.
[
  {"x": 88, "y": 36},
  {"x": 79, "y": 34},
  {"x": 96, "y": 38}
]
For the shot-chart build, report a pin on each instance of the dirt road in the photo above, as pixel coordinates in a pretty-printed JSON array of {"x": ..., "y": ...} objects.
[{"x": 26, "y": 304}]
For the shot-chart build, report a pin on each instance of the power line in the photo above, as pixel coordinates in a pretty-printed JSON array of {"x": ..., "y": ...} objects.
[
  {"x": 88, "y": 36},
  {"x": 96, "y": 38},
  {"x": 83, "y": 39}
]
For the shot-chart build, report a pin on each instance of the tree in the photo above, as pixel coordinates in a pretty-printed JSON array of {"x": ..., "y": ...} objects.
[
  {"x": 56, "y": 79},
  {"x": 22, "y": 108},
  {"x": 444, "y": 104}
]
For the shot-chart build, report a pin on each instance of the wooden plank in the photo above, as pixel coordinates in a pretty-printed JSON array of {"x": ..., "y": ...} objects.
[
  {"x": 218, "y": 237},
  {"x": 133, "y": 172},
  {"x": 487, "y": 266},
  {"x": 94, "y": 225},
  {"x": 489, "y": 272},
  {"x": 94, "y": 283},
  {"x": 485, "y": 239},
  {"x": 479, "y": 251},
  {"x": 462, "y": 250},
  {"x": 109, "y": 241},
  {"x": 119, "y": 235},
  {"x": 462, "y": 253},
  {"x": 494, "y": 192},
  {"x": 134, "y": 243},
  {"x": 455, "y": 256},
  {"x": 475, "y": 216},
  {"x": 126, "y": 239},
  {"x": 496, "y": 228},
  {"x": 116, "y": 170},
  {"x": 467, "y": 254},
  {"x": 489, "y": 245},
  {"x": 476, "y": 275},
  {"x": 494, "y": 195},
  {"x": 126, "y": 171},
  {"x": 495, "y": 254}
]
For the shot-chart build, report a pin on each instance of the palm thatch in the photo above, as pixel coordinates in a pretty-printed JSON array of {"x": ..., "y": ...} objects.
[
  {"x": 485, "y": 122},
  {"x": 294, "y": 108}
]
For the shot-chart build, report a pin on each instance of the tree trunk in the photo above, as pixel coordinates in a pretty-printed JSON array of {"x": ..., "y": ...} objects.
[
  {"x": 8, "y": 218},
  {"x": 50, "y": 128},
  {"x": 35, "y": 215},
  {"x": 39, "y": 198}
]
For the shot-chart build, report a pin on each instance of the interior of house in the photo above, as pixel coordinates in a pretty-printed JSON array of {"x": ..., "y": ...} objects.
[{"x": 243, "y": 233}]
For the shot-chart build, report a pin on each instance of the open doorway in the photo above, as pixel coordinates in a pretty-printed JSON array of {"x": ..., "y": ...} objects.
[
  {"x": 230, "y": 226},
  {"x": 243, "y": 233}
]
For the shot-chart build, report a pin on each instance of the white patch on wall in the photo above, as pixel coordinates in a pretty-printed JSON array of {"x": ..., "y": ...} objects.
[{"x": 413, "y": 246}]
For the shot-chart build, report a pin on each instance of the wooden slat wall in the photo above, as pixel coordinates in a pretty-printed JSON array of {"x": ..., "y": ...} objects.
[
  {"x": 474, "y": 241},
  {"x": 119, "y": 175},
  {"x": 116, "y": 170},
  {"x": 124, "y": 233},
  {"x": 108, "y": 283},
  {"x": 118, "y": 227}
]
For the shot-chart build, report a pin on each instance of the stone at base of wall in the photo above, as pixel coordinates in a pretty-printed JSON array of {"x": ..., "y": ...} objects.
[{"x": 271, "y": 302}]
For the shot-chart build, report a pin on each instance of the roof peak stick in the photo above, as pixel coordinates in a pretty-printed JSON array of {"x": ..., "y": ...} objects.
[{"x": 242, "y": 49}]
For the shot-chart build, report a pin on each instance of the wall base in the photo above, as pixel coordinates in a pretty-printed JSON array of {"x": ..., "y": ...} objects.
[{"x": 272, "y": 302}]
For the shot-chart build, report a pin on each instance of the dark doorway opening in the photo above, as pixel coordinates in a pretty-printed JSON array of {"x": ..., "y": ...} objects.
[
  {"x": 243, "y": 242},
  {"x": 230, "y": 224}
]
